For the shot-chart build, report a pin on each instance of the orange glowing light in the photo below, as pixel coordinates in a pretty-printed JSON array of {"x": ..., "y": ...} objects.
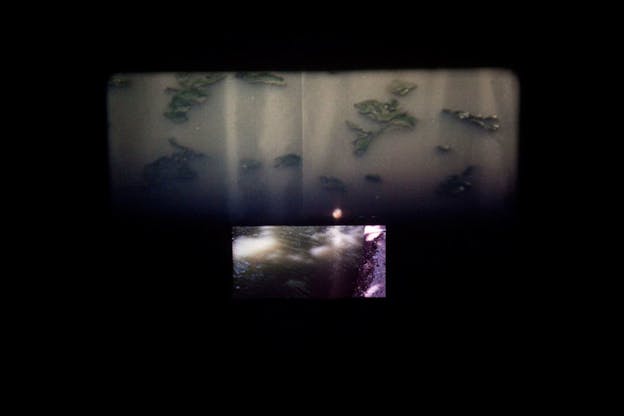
[{"x": 337, "y": 213}]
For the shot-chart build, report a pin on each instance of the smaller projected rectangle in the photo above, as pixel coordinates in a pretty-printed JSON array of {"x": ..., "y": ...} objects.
[{"x": 316, "y": 262}]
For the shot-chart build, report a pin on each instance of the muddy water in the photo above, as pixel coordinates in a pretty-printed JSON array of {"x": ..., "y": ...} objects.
[{"x": 307, "y": 117}]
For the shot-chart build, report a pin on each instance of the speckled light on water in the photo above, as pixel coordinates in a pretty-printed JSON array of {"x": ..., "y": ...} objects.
[{"x": 321, "y": 262}]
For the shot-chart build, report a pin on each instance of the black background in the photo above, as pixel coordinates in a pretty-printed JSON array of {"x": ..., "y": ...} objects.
[{"x": 461, "y": 288}]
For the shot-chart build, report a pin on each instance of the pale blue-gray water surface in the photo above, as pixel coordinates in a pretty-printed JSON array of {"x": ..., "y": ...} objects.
[{"x": 307, "y": 117}]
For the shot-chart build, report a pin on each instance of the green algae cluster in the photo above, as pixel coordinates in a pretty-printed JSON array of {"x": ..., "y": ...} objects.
[
  {"x": 175, "y": 167},
  {"x": 261, "y": 78},
  {"x": 386, "y": 114},
  {"x": 288, "y": 160},
  {"x": 487, "y": 122},
  {"x": 457, "y": 184},
  {"x": 192, "y": 91}
]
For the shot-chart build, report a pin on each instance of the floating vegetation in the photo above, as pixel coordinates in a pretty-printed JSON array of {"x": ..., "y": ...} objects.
[
  {"x": 443, "y": 148},
  {"x": 401, "y": 88},
  {"x": 487, "y": 122},
  {"x": 377, "y": 110},
  {"x": 192, "y": 92},
  {"x": 331, "y": 183},
  {"x": 261, "y": 78},
  {"x": 372, "y": 177},
  {"x": 189, "y": 80},
  {"x": 118, "y": 81},
  {"x": 174, "y": 167},
  {"x": 363, "y": 139},
  {"x": 288, "y": 160},
  {"x": 387, "y": 114},
  {"x": 456, "y": 185},
  {"x": 250, "y": 164}
]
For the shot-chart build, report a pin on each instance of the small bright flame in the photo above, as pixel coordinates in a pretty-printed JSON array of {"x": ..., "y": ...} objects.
[{"x": 337, "y": 213}]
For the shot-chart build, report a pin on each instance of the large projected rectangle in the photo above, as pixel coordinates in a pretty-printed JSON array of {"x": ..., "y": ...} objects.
[
  {"x": 316, "y": 262},
  {"x": 289, "y": 147}
]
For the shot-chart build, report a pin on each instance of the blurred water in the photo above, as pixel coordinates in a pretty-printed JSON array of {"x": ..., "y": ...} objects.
[
  {"x": 307, "y": 117},
  {"x": 302, "y": 262}
]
